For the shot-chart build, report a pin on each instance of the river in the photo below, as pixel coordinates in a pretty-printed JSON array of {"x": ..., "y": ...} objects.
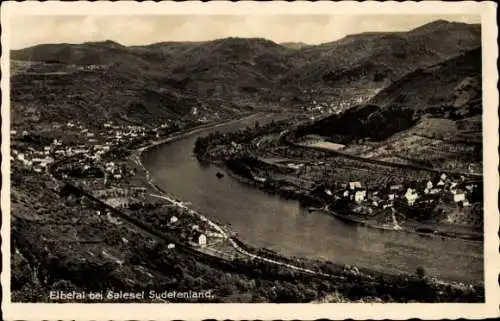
[{"x": 264, "y": 220}]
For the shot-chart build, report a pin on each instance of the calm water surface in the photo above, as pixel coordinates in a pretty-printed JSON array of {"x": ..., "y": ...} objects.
[{"x": 264, "y": 220}]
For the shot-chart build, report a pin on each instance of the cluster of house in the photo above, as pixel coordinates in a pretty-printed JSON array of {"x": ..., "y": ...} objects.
[
  {"x": 112, "y": 133},
  {"x": 92, "y": 67},
  {"x": 322, "y": 108},
  {"x": 331, "y": 107},
  {"x": 197, "y": 237},
  {"x": 114, "y": 171},
  {"x": 427, "y": 192},
  {"x": 96, "y": 144},
  {"x": 137, "y": 192},
  {"x": 35, "y": 159},
  {"x": 120, "y": 134},
  {"x": 194, "y": 235}
]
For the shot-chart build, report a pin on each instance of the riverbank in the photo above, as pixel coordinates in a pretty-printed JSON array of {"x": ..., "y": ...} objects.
[
  {"x": 194, "y": 131},
  {"x": 422, "y": 230},
  {"x": 136, "y": 157},
  {"x": 307, "y": 200},
  {"x": 250, "y": 252},
  {"x": 176, "y": 170},
  {"x": 349, "y": 279}
]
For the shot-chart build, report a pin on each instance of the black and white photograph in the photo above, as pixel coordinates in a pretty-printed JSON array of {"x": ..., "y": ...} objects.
[{"x": 253, "y": 157}]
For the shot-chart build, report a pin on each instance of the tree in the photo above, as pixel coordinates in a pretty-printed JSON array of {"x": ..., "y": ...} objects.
[{"x": 420, "y": 272}]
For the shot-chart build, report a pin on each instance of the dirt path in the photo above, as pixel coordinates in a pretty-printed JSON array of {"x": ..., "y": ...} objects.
[{"x": 235, "y": 245}]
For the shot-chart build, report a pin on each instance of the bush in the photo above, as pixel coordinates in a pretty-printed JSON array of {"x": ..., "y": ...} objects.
[{"x": 420, "y": 272}]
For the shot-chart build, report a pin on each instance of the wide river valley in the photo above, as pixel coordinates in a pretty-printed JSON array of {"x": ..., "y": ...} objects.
[{"x": 264, "y": 220}]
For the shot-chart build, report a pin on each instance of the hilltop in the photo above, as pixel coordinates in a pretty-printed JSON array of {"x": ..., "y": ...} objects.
[
  {"x": 375, "y": 59},
  {"x": 294, "y": 45}
]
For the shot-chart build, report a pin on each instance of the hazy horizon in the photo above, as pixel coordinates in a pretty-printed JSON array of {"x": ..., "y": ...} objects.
[{"x": 27, "y": 31}]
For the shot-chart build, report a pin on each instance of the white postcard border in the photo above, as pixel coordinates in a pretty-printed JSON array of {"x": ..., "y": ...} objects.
[{"x": 36, "y": 311}]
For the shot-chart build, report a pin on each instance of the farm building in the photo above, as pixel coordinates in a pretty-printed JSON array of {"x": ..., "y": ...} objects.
[
  {"x": 354, "y": 185},
  {"x": 411, "y": 196},
  {"x": 201, "y": 240},
  {"x": 360, "y": 196}
]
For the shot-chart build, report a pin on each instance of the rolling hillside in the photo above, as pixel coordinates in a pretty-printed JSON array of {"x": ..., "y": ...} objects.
[
  {"x": 456, "y": 82},
  {"x": 449, "y": 90},
  {"x": 220, "y": 78},
  {"x": 377, "y": 59}
]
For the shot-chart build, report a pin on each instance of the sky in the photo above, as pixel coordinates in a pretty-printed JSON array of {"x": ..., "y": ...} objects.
[{"x": 140, "y": 30}]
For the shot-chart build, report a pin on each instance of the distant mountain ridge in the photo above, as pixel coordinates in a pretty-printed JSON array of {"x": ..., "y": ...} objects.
[
  {"x": 376, "y": 59},
  {"x": 294, "y": 45},
  {"x": 226, "y": 75}
]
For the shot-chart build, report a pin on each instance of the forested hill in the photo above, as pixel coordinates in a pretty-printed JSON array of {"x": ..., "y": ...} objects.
[{"x": 219, "y": 78}]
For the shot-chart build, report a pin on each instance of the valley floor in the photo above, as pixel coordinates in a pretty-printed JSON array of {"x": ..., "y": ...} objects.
[
  {"x": 92, "y": 232},
  {"x": 365, "y": 183}
]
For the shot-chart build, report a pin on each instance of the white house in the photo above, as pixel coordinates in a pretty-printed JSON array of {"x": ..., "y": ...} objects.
[
  {"x": 396, "y": 187},
  {"x": 171, "y": 246},
  {"x": 353, "y": 185},
  {"x": 459, "y": 197},
  {"x": 411, "y": 196},
  {"x": 260, "y": 179},
  {"x": 202, "y": 240},
  {"x": 295, "y": 166},
  {"x": 453, "y": 188},
  {"x": 173, "y": 219},
  {"x": 359, "y": 196},
  {"x": 469, "y": 187}
]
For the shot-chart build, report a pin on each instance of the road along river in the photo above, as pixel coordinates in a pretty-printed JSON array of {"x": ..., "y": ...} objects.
[{"x": 264, "y": 220}]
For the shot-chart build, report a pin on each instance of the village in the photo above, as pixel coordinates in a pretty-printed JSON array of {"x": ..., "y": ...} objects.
[
  {"x": 454, "y": 196},
  {"x": 460, "y": 192},
  {"x": 349, "y": 187},
  {"x": 449, "y": 198},
  {"x": 99, "y": 161},
  {"x": 443, "y": 200},
  {"x": 332, "y": 103},
  {"x": 91, "y": 146}
]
